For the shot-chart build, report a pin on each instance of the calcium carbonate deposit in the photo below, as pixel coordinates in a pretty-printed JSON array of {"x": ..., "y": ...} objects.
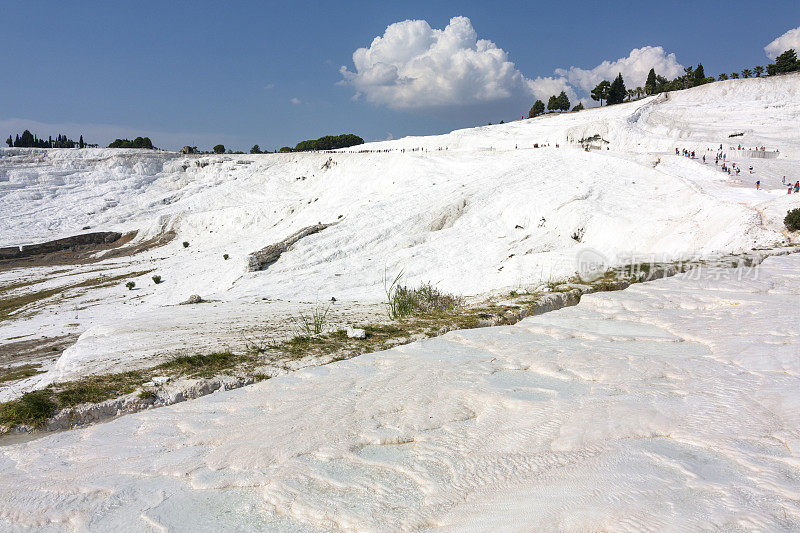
[{"x": 671, "y": 405}]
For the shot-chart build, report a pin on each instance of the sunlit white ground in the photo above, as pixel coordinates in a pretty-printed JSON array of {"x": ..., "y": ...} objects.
[
  {"x": 489, "y": 213},
  {"x": 672, "y": 405}
]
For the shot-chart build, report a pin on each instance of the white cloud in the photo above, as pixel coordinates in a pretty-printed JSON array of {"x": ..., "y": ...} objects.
[
  {"x": 544, "y": 88},
  {"x": 413, "y": 65},
  {"x": 634, "y": 69},
  {"x": 295, "y": 101},
  {"x": 790, "y": 39},
  {"x": 269, "y": 86}
]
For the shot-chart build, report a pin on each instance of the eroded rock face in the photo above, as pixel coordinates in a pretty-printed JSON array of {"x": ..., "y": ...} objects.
[{"x": 100, "y": 237}]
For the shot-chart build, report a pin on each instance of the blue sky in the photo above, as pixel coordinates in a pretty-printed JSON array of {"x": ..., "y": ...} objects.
[{"x": 242, "y": 73}]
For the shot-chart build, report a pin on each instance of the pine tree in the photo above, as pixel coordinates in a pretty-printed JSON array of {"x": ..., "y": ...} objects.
[
  {"x": 787, "y": 62},
  {"x": 617, "y": 92},
  {"x": 600, "y": 92},
  {"x": 722, "y": 77},
  {"x": 81, "y": 143},
  {"x": 759, "y": 70},
  {"x": 563, "y": 101},
  {"x": 578, "y": 107},
  {"x": 650, "y": 84},
  {"x": 699, "y": 75},
  {"x": 10, "y": 142},
  {"x": 16, "y": 141},
  {"x": 537, "y": 109},
  {"x": 553, "y": 104},
  {"x": 734, "y": 75}
]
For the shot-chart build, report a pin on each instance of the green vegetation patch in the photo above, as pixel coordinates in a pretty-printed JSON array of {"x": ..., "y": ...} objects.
[
  {"x": 206, "y": 365},
  {"x": 792, "y": 220},
  {"x": 32, "y": 408},
  {"x": 94, "y": 389},
  {"x": 15, "y": 373}
]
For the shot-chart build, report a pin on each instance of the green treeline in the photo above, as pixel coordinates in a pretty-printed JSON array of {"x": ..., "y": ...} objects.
[
  {"x": 329, "y": 142},
  {"x": 29, "y": 140},
  {"x": 615, "y": 92},
  {"x": 138, "y": 142}
]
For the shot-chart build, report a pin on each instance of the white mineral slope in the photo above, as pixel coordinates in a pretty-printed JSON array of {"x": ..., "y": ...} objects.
[
  {"x": 670, "y": 406},
  {"x": 762, "y": 110},
  {"x": 468, "y": 219}
]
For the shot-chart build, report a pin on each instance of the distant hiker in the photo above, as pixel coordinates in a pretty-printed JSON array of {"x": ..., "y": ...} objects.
[
  {"x": 704, "y": 160},
  {"x": 677, "y": 152},
  {"x": 784, "y": 180},
  {"x": 758, "y": 184},
  {"x": 751, "y": 169},
  {"x": 797, "y": 186},
  {"x": 790, "y": 189}
]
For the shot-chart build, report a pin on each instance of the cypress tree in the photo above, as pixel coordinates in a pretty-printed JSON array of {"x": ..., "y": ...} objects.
[
  {"x": 650, "y": 84},
  {"x": 27, "y": 139}
]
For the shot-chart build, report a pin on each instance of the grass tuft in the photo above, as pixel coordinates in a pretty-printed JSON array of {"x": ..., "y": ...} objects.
[
  {"x": 314, "y": 323},
  {"x": 32, "y": 408},
  {"x": 404, "y": 301}
]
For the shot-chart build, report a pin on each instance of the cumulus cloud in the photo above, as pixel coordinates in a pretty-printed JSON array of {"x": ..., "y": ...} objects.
[
  {"x": 413, "y": 65},
  {"x": 634, "y": 68},
  {"x": 295, "y": 100},
  {"x": 544, "y": 88},
  {"x": 790, "y": 39}
]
